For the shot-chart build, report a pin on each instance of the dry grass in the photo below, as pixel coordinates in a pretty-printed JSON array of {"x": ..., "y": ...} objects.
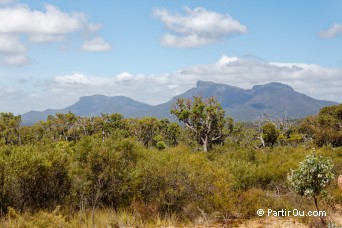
[{"x": 107, "y": 218}]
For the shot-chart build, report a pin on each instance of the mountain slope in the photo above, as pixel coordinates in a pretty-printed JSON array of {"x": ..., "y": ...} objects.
[
  {"x": 91, "y": 106},
  {"x": 246, "y": 105},
  {"x": 241, "y": 104}
]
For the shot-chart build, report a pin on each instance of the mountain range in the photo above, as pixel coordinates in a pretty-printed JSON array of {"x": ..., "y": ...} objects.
[{"x": 241, "y": 104}]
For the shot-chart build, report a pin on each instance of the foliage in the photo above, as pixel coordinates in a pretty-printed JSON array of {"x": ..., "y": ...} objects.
[
  {"x": 312, "y": 176},
  {"x": 205, "y": 118},
  {"x": 146, "y": 169},
  {"x": 102, "y": 172},
  {"x": 270, "y": 134},
  {"x": 35, "y": 179},
  {"x": 9, "y": 128},
  {"x": 161, "y": 145},
  {"x": 326, "y": 127},
  {"x": 177, "y": 181},
  {"x": 171, "y": 132}
]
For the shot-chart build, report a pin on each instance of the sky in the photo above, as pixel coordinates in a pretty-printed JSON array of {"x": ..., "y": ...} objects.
[{"x": 54, "y": 52}]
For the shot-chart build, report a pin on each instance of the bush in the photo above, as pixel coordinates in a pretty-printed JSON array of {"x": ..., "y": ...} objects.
[
  {"x": 178, "y": 181},
  {"x": 252, "y": 200},
  {"x": 36, "y": 179},
  {"x": 161, "y": 145},
  {"x": 312, "y": 176},
  {"x": 103, "y": 172},
  {"x": 270, "y": 134},
  {"x": 3, "y": 197},
  {"x": 325, "y": 128}
]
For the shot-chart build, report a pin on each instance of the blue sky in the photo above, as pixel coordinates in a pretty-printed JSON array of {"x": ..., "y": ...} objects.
[{"x": 53, "y": 52}]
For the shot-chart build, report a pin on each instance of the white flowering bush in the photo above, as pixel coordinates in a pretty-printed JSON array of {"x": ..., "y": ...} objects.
[{"x": 312, "y": 176}]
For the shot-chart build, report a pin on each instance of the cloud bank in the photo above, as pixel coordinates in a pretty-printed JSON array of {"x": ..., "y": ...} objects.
[
  {"x": 197, "y": 27},
  {"x": 63, "y": 90},
  {"x": 20, "y": 25}
]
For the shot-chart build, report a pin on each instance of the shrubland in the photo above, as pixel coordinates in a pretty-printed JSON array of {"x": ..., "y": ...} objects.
[{"x": 71, "y": 171}]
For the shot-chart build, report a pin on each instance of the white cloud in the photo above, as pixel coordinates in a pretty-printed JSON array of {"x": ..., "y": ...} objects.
[
  {"x": 96, "y": 44},
  {"x": 43, "y": 38},
  {"x": 15, "y": 60},
  {"x": 197, "y": 27},
  {"x": 331, "y": 32},
  {"x": 189, "y": 41},
  {"x": 311, "y": 79},
  {"x": 18, "y": 21},
  {"x": 151, "y": 88},
  {"x": 21, "y": 19},
  {"x": 10, "y": 44},
  {"x": 314, "y": 80}
]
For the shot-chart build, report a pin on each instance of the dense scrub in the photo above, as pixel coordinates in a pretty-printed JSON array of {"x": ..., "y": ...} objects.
[
  {"x": 64, "y": 171},
  {"x": 326, "y": 127},
  {"x": 228, "y": 183}
]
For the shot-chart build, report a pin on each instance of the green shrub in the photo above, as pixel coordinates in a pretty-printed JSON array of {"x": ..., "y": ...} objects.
[
  {"x": 36, "y": 179},
  {"x": 270, "y": 134},
  {"x": 103, "y": 173},
  {"x": 160, "y": 145},
  {"x": 312, "y": 176},
  {"x": 178, "y": 181},
  {"x": 252, "y": 200}
]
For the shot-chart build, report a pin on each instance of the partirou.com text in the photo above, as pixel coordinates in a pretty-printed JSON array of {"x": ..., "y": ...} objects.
[{"x": 294, "y": 212}]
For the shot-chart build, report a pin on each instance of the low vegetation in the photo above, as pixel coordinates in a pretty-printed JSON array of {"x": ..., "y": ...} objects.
[{"x": 108, "y": 171}]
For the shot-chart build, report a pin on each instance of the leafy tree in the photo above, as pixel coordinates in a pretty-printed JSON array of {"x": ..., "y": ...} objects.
[
  {"x": 205, "y": 118},
  {"x": 312, "y": 176},
  {"x": 111, "y": 123},
  {"x": 9, "y": 128},
  {"x": 326, "y": 127},
  {"x": 270, "y": 134},
  {"x": 62, "y": 126},
  {"x": 91, "y": 125},
  {"x": 171, "y": 132},
  {"x": 144, "y": 129},
  {"x": 270, "y": 128},
  {"x": 26, "y": 134},
  {"x": 238, "y": 133}
]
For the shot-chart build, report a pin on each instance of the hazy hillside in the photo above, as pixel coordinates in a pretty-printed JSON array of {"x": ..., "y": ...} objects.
[
  {"x": 246, "y": 105},
  {"x": 90, "y": 106},
  {"x": 241, "y": 104}
]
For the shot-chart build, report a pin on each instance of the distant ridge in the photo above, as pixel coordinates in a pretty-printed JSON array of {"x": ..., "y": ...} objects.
[
  {"x": 91, "y": 106},
  {"x": 243, "y": 105}
]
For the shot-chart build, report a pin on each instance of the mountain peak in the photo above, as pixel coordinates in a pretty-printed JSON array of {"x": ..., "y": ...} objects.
[
  {"x": 273, "y": 85},
  {"x": 95, "y": 96},
  {"x": 204, "y": 84}
]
